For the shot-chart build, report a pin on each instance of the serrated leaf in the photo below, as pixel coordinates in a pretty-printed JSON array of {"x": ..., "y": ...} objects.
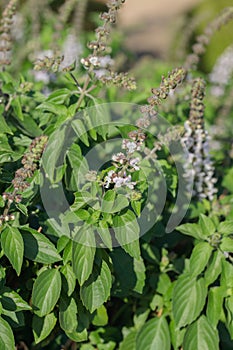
[
  {"x": 7, "y": 341},
  {"x": 207, "y": 226},
  {"x": 46, "y": 291},
  {"x": 201, "y": 335},
  {"x": 96, "y": 290},
  {"x": 38, "y": 248},
  {"x": 193, "y": 230},
  {"x": 154, "y": 335},
  {"x": 127, "y": 231},
  {"x": 43, "y": 326},
  {"x": 83, "y": 253},
  {"x": 189, "y": 297},
  {"x": 199, "y": 258},
  {"x": 69, "y": 282},
  {"x": 13, "y": 247},
  {"x": 68, "y": 314},
  {"x": 214, "y": 305}
]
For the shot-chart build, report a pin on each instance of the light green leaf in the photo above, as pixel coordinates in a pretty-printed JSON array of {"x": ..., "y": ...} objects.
[
  {"x": 13, "y": 247},
  {"x": 43, "y": 326},
  {"x": 83, "y": 253},
  {"x": 154, "y": 335},
  {"x": 38, "y": 248},
  {"x": 129, "y": 342},
  {"x": 201, "y": 335},
  {"x": 46, "y": 291},
  {"x": 214, "y": 306},
  {"x": 77, "y": 336},
  {"x": 69, "y": 281},
  {"x": 96, "y": 290},
  {"x": 140, "y": 271},
  {"x": 68, "y": 314},
  {"x": 227, "y": 244},
  {"x": 113, "y": 202},
  {"x": 127, "y": 231},
  {"x": 189, "y": 297},
  {"x": 11, "y": 300},
  {"x": 199, "y": 259},
  {"x": 177, "y": 335},
  {"x": 101, "y": 317},
  {"x": 226, "y": 227},
  {"x": 7, "y": 341},
  {"x": 207, "y": 226},
  {"x": 227, "y": 274},
  {"x": 193, "y": 230}
]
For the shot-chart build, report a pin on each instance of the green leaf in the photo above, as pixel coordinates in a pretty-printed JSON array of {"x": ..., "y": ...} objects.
[
  {"x": 129, "y": 342},
  {"x": 69, "y": 281},
  {"x": 59, "y": 96},
  {"x": 214, "y": 306},
  {"x": 154, "y": 335},
  {"x": 127, "y": 231},
  {"x": 140, "y": 271},
  {"x": 53, "y": 108},
  {"x": 207, "y": 226},
  {"x": 227, "y": 274},
  {"x": 96, "y": 290},
  {"x": 12, "y": 301},
  {"x": 113, "y": 202},
  {"x": 46, "y": 291},
  {"x": 77, "y": 336},
  {"x": 201, "y": 335},
  {"x": 68, "y": 314},
  {"x": 189, "y": 297},
  {"x": 7, "y": 341},
  {"x": 193, "y": 230},
  {"x": 4, "y": 127},
  {"x": 105, "y": 235},
  {"x": 214, "y": 268},
  {"x": 13, "y": 247},
  {"x": 177, "y": 335},
  {"x": 229, "y": 312},
  {"x": 227, "y": 244},
  {"x": 43, "y": 326},
  {"x": 38, "y": 248},
  {"x": 101, "y": 317},
  {"x": 199, "y": 259},
  {"x": 83, "y": 254},
  {"x": 226, "y": 227}
]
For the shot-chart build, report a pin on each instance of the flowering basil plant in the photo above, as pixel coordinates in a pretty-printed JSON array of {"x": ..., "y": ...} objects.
[{"x": 116, "y": 222}]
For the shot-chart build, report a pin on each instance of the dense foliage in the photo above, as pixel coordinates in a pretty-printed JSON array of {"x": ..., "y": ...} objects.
[{"x": 128, "y": 247}]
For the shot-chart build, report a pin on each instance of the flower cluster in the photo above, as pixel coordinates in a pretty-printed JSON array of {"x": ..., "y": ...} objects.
[
  {"x": 203, "y": 40},
  {"x": 167, "y": 84},
  {"x": 48, "y": 63},
  {"x": 5, "y": 33},
  {"x": 222, "y": 72},
  {"x": 30, "y": 164},
  {"x": 198, "y": 165},
  {"x": 125, "y": 163}
]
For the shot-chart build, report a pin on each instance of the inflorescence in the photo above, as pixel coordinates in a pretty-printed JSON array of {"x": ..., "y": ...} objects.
[
  {"x": 30, "y": 163},
  {"x": 198, "y": 165}
]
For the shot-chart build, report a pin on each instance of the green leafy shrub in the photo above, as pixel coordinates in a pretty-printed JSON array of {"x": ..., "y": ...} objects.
[{"x": 94, "y": 253}]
